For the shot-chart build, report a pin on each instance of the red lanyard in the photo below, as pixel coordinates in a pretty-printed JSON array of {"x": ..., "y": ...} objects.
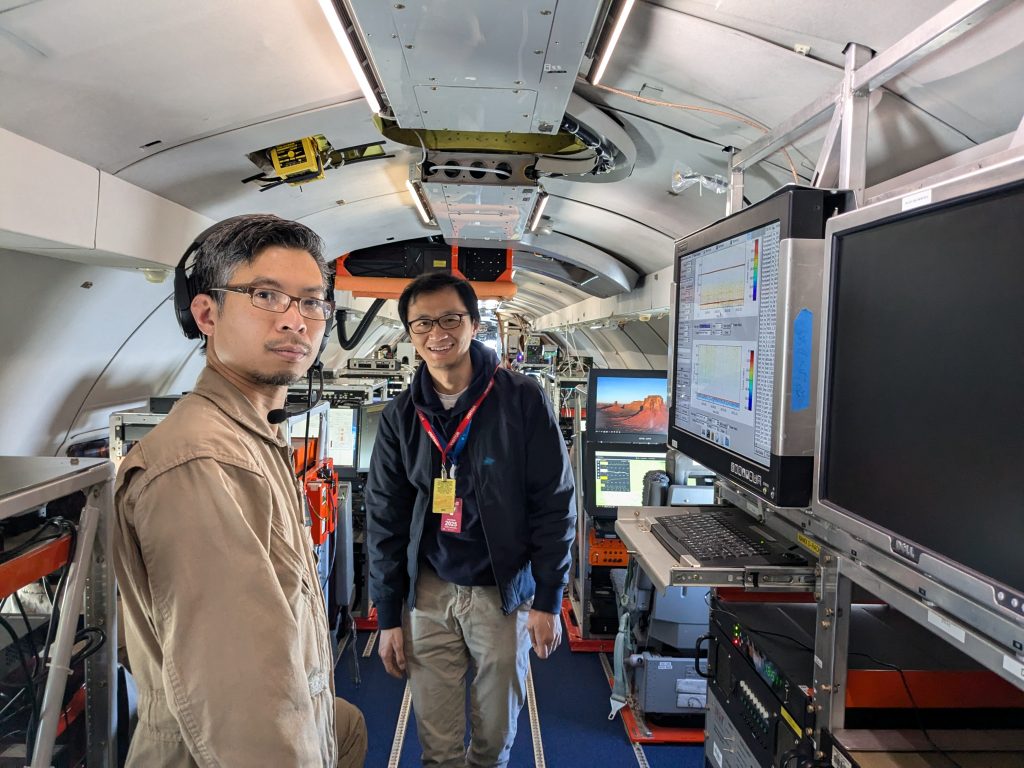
[{"x": 461, "y": 431}]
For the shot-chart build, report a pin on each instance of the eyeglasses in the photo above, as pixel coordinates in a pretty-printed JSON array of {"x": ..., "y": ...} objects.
[
  {"x": 280, "y": 302},
  {"x": 445, "y": 322}
]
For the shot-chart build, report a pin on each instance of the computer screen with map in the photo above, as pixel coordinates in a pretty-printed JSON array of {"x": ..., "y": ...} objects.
[{"x": 748, "y": 290}]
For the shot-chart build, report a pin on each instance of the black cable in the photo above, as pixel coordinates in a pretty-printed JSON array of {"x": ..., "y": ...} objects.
[
  {"x": 30, "y": 684},
  {"x": 96, "y": 638},
  {"x": 913, "y": 703}
]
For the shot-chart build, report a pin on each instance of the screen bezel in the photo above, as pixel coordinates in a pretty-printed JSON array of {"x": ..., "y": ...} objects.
[
  {"x": 621, "y": 438},
  {"x": 801, "y": 212},
  {"x": 896, "y": 551}
]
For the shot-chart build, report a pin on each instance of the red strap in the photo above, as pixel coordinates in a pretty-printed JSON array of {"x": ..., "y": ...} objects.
[{"x": 462, "y": 424}]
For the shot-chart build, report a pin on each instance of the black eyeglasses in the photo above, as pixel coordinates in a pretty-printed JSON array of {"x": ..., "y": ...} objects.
[
  {"x": 279, "y": 301},
  {"x": 445, "y": 322}
]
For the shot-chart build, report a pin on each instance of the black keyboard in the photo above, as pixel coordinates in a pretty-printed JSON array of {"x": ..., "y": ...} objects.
[{"x": 707, "y": 536}]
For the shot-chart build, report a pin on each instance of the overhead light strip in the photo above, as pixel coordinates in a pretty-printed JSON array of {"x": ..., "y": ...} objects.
[
  {"x": 538, "y": 209},
  {"x": 334, "y": 22},
  {"x": 606, "y": 54},
  {"x": 419, "y": 202}
]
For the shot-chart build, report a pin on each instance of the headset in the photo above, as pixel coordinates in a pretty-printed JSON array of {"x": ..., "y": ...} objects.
[{"x": 185, "y": 289}]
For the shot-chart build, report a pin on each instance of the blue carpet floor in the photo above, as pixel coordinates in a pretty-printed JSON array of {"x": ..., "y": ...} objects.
[{"x": 572, "y": 702}]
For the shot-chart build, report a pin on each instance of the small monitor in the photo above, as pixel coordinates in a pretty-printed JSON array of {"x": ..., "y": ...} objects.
[
  {"x": 627, "y": 406},
  {"x": 342, "y": 427},
  {"x": 746, "y": 311},
  {"x": 369, "y": 423},
  {"x": 619, "y": 476}
]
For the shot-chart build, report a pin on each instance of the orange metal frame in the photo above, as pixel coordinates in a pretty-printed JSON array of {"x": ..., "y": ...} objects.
[
  {"x": 33, "y": 565},
  {"x": 392, "y": 287}
]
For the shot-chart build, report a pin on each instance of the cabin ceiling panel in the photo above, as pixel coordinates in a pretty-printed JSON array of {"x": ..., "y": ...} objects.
[
  {"x": 637, "y": 244},
  {"x": 167, "y": 71},
  {"x": 826, "y": 28},
  {"x": 645, "y": 196},
  {"x": 644, "y": 337},
  {"x": 695, "y": 59},
  {"x": 957, "y": 84}
]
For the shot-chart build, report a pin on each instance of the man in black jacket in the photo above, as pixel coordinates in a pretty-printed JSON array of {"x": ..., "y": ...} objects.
[{"x": 470, "y": 521}]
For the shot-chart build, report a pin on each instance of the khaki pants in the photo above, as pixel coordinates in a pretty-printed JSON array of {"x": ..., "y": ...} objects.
[
  {"x": 450, "y": 628},
  {"x": 351, "y": 730}
]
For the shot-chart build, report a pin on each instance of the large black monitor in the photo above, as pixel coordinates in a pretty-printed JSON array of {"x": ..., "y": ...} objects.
[
  {"x": 922, "y": 425},
  {"x": 627, "y": 406},
  {"x": 615, "y": 475},
  {"x": 746, "y": 301},
  {"x": 369, "y": 423}
]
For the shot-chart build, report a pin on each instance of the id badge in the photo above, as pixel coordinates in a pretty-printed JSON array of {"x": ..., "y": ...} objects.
[
  {"x": 453, "y": 523},
  {"x": 444, "y": 496}
]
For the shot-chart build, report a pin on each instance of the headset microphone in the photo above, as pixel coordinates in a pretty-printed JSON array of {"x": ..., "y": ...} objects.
[{"x": 279, "y": 415}]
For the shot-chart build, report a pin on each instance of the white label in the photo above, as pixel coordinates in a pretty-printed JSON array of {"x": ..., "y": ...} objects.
[
  {"x": 817, "y": 661},
  {"x": 1014, "y": 667},
  {"x": 717, "y": 753},
  {"x": 917, "y": 199},
  {"x": 947, "y": 626},
  {"x": 664, "y": 665},
  {"x": 839, "y": 760}
]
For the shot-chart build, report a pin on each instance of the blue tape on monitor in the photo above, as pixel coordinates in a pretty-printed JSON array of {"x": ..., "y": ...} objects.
[{"x": 803, "y": 339}]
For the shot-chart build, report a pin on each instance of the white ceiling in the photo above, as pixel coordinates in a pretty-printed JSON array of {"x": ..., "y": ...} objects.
[{"x": 213, "y": 81}]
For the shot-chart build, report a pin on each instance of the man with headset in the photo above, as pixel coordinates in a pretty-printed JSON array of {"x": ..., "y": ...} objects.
[{"x": 226, "y": 626}]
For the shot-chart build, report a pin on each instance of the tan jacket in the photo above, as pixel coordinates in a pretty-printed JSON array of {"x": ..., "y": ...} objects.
[{"x": 226, "y": 626}]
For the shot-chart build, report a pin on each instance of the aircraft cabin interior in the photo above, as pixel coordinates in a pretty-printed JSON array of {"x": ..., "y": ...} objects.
[{"x": 761, "y": 260}]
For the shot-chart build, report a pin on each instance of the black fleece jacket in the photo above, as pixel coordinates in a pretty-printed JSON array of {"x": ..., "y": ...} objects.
[{"x": 521, "y": 479}]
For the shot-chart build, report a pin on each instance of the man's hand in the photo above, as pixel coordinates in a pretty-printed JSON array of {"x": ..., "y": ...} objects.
[
  {"x": 545, "y": 632},
  {"x": 391, "y": 647}
]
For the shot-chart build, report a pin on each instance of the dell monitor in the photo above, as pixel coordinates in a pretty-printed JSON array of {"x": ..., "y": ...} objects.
[
  {"x": 746, "y": 314},
  {"x": 922, "y": 427},
  {"x": 627, "y": 406}
]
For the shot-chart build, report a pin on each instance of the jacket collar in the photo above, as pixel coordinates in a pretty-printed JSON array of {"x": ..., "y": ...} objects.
[
  {"x": 424, "y": 397},
  {"x": 226, "y": 396}
]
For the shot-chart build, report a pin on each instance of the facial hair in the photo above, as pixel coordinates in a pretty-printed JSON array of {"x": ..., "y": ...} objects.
[{"x": 282, "y": 379}]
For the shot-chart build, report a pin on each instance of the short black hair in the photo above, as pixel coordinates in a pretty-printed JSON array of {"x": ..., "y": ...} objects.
[
  {"x": 432, "y": 282},
  {"x": 241, "y": 239}
]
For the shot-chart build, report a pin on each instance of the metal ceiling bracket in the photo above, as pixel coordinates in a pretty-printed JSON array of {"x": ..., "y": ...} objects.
[
  {"x": 826, "y": 170},
  {"x": 853, "y": 137},
  {"x": 942, "y": 28},
  {"x": 734, "y": 198}
]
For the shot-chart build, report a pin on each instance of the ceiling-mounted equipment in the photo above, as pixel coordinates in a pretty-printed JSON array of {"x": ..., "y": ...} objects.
[
  {"x": 383, "y": 271},
  {"x": 474, "y": 66},
  {"x": 306, "y": 159},
  {"x": 610, "y": 37},
  {"x": 478, "y": 197}
]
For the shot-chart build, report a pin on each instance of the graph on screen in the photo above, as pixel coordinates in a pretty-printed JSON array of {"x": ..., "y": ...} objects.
[{"x": 726, "y": 280}]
